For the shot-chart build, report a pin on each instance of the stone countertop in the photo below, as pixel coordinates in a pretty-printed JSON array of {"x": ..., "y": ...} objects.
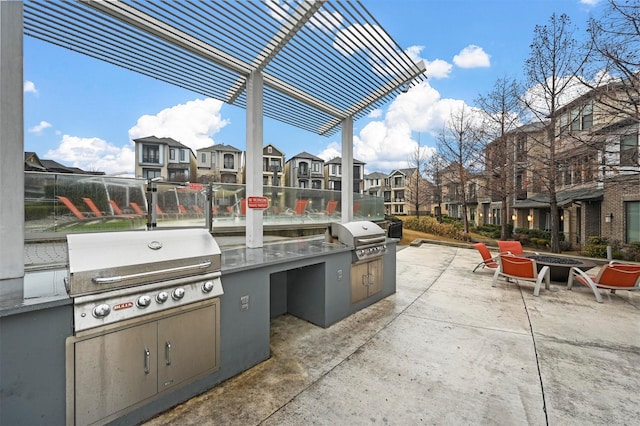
[{"x": 46, "y": 268}]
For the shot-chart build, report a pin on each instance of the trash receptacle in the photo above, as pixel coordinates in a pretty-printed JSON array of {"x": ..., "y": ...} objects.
[{"x": 394, "y": 229}]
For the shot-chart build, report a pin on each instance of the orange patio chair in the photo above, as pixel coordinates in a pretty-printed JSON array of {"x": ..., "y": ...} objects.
[
  {"x": 522, "y": 269},
  {"x": 72, "y": 208},
  {"x": 488, "y": 261},
  {"x": 182, "y": 210},
  {"x": 612, "y": 276},
  {"x": 510, "y": 247}
]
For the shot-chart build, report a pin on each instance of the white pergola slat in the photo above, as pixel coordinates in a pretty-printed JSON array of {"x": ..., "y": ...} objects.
[{"x": 322, "y": 60}]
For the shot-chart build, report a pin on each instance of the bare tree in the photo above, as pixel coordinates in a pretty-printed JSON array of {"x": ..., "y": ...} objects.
[
  {"x": 502, "y": 109},
  {"x": 554, "y": 61},
  {"x": 417, "y": 193},
  {"x": 433, "y": 170},
  {"x": 615, "y": 58},
  {"x": 458, "y": 147}
]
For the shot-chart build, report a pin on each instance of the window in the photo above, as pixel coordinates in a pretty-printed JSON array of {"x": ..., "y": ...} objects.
[
  {"x": 150, "y": 173},
  {"x": 183, "y": 155},
  {"x": 303, "y": 169},
  {"x": 356, "y": 171},
  {"x": 629, "y": 150},
  {"x": 575, "y": 119},
  {"x": 269, "y": 150},
  {"x": 587, "y": 116},
  {"x": 229, "y": 161},
  {"x": 172, "y": 154},
  {"x": 316, "y": 184},
  {"x": 203, "y": 158},
  {"x": 397, "y": 181},
  {"x": 315, "y": 167},
  {"x": 151, "y": 154},
  {"x": 632, "y": 221}
]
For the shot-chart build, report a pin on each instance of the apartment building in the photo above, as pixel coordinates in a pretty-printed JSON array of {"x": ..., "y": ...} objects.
[
  {"x": 375, "y": 184},
  {"x": 333, "y": 175},
  {"x": 272, "y": 166},
  {"x": 596, "y": 171},
  {"x": 220, "y": 163},
  {"x": 305, "y": 170},
  {"x": 164, "y": 157}
]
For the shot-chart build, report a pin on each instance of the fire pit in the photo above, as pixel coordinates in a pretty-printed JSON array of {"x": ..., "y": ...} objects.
[{"x": 559, "y": 266}]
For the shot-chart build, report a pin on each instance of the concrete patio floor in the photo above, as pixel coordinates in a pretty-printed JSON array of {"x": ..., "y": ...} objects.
[{"x": 447, "y": 348}]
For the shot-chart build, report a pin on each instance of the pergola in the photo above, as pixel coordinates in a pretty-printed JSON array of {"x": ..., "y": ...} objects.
[{"x": 315, "y": 64}]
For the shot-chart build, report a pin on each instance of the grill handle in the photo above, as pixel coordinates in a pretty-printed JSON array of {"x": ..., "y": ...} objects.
[
  {"x": 374, "y": 240},
  {"x": 110, "y": 280}
]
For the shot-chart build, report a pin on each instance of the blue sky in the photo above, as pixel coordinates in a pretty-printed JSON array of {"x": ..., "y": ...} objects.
[{"x": 82, "y": 112}]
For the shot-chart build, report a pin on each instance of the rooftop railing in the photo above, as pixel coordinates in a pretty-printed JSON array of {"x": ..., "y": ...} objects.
[{"x": 57, "y": 204}]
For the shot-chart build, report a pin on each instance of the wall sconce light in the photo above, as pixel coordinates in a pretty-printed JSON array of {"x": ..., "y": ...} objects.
[
  {"x": 530, "y": 218},
  {"x": 514, "y": 217},
  {"x": 608, "y": 218},
  {"x": 561, "y": 217},
  {"x": 480, "y": 214}
]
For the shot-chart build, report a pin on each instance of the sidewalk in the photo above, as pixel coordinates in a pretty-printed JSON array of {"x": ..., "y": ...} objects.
[{"x": 447, "y": 348}]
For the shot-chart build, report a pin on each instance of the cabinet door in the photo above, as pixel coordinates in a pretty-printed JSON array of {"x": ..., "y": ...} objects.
[
  {"x": 115, "y": 371},
  {"x": 375, "y": 277},
  {"x": 187, "y": 346},
  {"x": 359, "y": 282}
]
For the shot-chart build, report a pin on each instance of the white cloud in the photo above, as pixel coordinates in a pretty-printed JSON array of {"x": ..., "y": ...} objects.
[
  {"x": 472, "y": 56},
  {"x": 437, "y": 68},
  {"x": 389, "y": 143},
  {"x": 93, "y": 154},
  {"x": 38, "y": 128},
  {"x": 192, "y": 124},
  {"x": 376, "y": 113},
  {"x": 590, "y": 2},
  {"x": 535, "y": 96},
  {"x": 30, "y": 87}
]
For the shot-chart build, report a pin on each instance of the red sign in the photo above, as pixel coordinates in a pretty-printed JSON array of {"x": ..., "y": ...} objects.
[
  {"x": 195, "y": 186},
  {"x": 257, "y": 202}
]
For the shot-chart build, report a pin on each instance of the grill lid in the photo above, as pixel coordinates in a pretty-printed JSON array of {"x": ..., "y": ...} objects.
[
  {"x": 358, "y": 233},
  {"x": 105, "y": 261}
]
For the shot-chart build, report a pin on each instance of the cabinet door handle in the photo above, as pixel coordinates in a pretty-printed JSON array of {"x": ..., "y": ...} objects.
[
  {"x": 167, "y": 352},
  {"x": 147, "y": 360}
]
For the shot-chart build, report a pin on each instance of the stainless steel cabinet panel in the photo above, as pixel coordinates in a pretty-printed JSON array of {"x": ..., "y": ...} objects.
[
  {"x": 115, "y": 371},
  {"x": 186, "y": 346},
  {"x": 366, "y": 279}
]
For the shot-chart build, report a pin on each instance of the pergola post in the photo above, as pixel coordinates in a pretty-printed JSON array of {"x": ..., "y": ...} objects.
[
  {"x": 347, "y": 169},
  {"x": 11, "y": 142},
  {"x": 253, "y": 167}
]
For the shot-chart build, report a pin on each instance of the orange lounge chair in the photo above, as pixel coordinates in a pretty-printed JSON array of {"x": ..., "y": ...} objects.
[
  {"x": 522, "y": 269},
  {"x": 331, "y": 207},
  {"x": 612, "y": 276},
  {"x": 488, "y": 261},
  {"x": 136, "y": 208},
  {"x": 94, "y": 209},
  {"x": 68, "y": 204},
  {"x": 198, "y": 210},
  {"x": 510, "y": 247},
  {"x": 117, "y": 211},
  {"x": 182, "y": 210}
]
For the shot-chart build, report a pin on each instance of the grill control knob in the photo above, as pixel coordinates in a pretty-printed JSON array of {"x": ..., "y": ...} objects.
[
  {"x": 143, "y": 301},
  {"x": 162, "y": 297},
  {"x": 207, "y": 286},
  {"x": 101, "y": 310},
  {"x": 178, "y": 293}
]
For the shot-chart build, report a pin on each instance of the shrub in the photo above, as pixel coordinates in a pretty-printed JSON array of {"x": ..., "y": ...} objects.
[{"x": 430, "y": 225}]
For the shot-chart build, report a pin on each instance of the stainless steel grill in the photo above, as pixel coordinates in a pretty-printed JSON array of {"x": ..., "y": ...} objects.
[
  {"x": 367, "y": 239},
  {"x": 122, "y": 275}
]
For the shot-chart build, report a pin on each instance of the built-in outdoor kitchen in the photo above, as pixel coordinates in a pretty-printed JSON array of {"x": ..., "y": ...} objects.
[
  {"x": 142, "y": 320},
  {"x": 116, "y": 326}
]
